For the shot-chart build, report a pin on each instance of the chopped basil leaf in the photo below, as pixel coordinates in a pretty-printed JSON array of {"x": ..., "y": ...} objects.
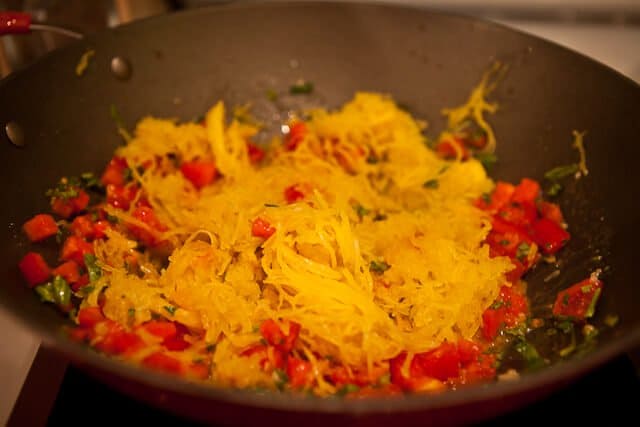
[
  {"x": 170, "y": 309},
  {"x": 379, "y": 217},
  {"x": 361, "y": 210},
  {"x": 63, "y": 190},
  {"x": 571, "y": 347},
  {"x": 301, "y": 88},
  {"x": 90, "y": 181},
  {"x": 379, "y": 266},
  {"x": 486, "y": 197},
  {"x": 529, "y": 354},
  {"x": 112, "y": 219},
  {"x": 61, "y": 291},
  {"x": 504, "y": 242},
  {"x": 372, "y": 160},
  {"x": 131, "y": 312},
  {"x": 554, "y": 189},
  {"x": 348, "y": 388},
  {"x": 385, "y": 379},
  {"x": 271, "y": 205},
  {"x": 432, "y": 183},
  {"x": 487, "y": 159},
  {"x": 210, "y": 348},
  {"x": 560, "y": 172},
  {"x": 496, "y": 305},
  {"x": 94, "y": 271},
  {"x": 86, "y": 290},
  {"x": 117, "y": 119},
  {"x": 271, "y": 95},
  {"x": 280, "y": 378},
  {"x": 523, "y": 251},
  {"x": 611, "y": 320},
  {"x": 45, "y": 292},
  {"x": 566, "y": 326},
  {"x": 592, "y": 305}
]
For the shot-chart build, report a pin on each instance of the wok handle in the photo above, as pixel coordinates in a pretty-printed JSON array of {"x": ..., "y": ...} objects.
[{"x": 14, "y": 22}]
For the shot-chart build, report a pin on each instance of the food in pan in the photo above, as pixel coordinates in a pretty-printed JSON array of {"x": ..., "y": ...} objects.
[{"x": 351, "y": 256}]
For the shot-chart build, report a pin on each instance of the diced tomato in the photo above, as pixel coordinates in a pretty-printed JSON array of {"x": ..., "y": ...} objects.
[
  {"x": 290, "y": 340},
  {"x": 114, "y": 174},
  {"x": 68, "y": 207},
  {"x": 119, "y": 341},
  {"x": 81, "y": 334},
  {"x": 177, "y": 341},
  {"x": 549, "y": 235},
  {"x": 272, "y": 333},
  {"x": 34, "y": 269},
  {"x": 99, "y": 229},
  {"x": 69, "y": 271},
  {"x": 200, "y": 172},
  {"x": 468, "y": 351},
  {"x": 89, "y": 317},
  {"x": 256, "y": 154},
  {"x": 300, "y": 372},
  {"x": 578, "y": 301},
  {"x": 261, "y": 228},
  {"x": 293, "y": 194},
  {"x": 40, "y": 227},
  {"x": 297, "y": 132},
  {"x": 500, "y": 196},
  {"x": 551, "y": 211},
  {"x": 163, "y": 362},
  {"x": 527, "y": 192},
  {"x": 481, "y": 369},
  {"x": 75, "y": 248},
  {"x": 504, "y": 238},
  {"x": 200, "y": 370},
  {"x": 517, "y": 272},
  {"x": 449, "y": 149},
  {"x": 442, "y": 363},
  {"x": 270, "y": 357},
  {"x": 507, "y": 310},
  {"x": 80, "y": 283},
  {"x": 121, "y": 197},
  {"x": 147, "y": 216},
  {"x": 161, "y": 328},
  {"x": 82, "y": 226},
  {"x": 415, "y": 381},
  {"x": 520, "y": 214}
]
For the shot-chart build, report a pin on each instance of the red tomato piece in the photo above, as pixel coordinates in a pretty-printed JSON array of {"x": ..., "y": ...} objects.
[
  {"x": 69, "y": 271},
  {"x": 520, "y": 214},
  {"x": 68, "y": 207},
  {"x": 579, "y": 300},
  {"x": 114, "y": 174},
  {"x": 80, "y": 283},
  {"x": 82, "y": 226},
  {"x": 256, "y": 154},
  {"x": 200, "y": 172},
  {"x": 468, "y": 351},
  {"x": 551, "y": 211},
  {"x": 481, "y": 369},
  {"x": 441, "y": 363},
  {"x": 147, "y": 216},
  {"x": 34, "y": 269},
  {"x": 272, "y": 333},
  {"x": 507, "y": 310},
  {"x": 297, "y": 132},
  {"x": 177, "y": 341},
  {"x": 293, "y": 194},
  {"x": 449, "y": 149},
  {"x": 161, "y": 328},
  {"x": 262, "y": 228},
  {"x": 200, "y": 370},
  {"x": 121, "y": 197},
  {"x": 527, "y": 192},
  {"x": 550, "y": 236},
  {"x": 75, "y": 248},
  {"x": 89, "y": 317},
  {"x": 119, "y": 341},
  {"x": 500, "y": 196},
  {"x": 300, "y": 372},
  {"x": 40, "y": 227},
  {"x": 163, "y": 362},
  {"x": 99, "y": 229}
]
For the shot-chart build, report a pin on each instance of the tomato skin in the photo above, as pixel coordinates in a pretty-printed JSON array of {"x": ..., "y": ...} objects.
[
  {"x": 297, "y": 132},
  {"x": 551, "y": 211},
  {"x": 89, "y": 317},
  {"x": 500, "y": 196},
  {"x": 550, "y": 236},
  {"x": 75, "y": 248},
  {"x": 527, "y": 192},
  {"x": 508, "y": 310},
  {"x": 34, "y": 269},
  {"x": 69, "y": 271},
  {"x": 163, "y": 362},
  {"x": 441, "y": 363},
  {"x": 293, "y": 194},
  {"x": 121, "y": 197},
  {"x": 575, "y": 301},
  {"x": 300, "y": 372},
  {"x": 40, "y": 227},
  {"x": 114, "y": 173},
  {"x": 519, "y": 214},
  {"x": 262, "y": 228},
  {"x": 272, "y": 333},
  {"x": 147, "y": 216},
  {"x": 199, "y": 172},
  {"x": 68, "y": 207},
  {"x": 256, "y": 153}
]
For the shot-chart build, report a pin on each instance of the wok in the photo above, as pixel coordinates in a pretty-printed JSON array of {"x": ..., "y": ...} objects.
[{"x": 183, "y": 63}]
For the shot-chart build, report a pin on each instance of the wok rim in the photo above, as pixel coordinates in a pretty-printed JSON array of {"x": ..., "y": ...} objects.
[{"x": 551, "y": 375}]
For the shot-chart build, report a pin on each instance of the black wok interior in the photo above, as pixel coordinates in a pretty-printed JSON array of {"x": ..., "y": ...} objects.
[{"x": 426, "y": 60}]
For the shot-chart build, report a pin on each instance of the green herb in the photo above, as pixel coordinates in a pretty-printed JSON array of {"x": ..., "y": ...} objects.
[
  {"x": 523, "y": 251},
  {"x": 571, "y": 347},
  {"x": 379, "y": 266},
  {"x": 61, "y": 292},
  {"x": 63, "y": 190},
  {"x": 379, "y": 217},
  {"x": 496, "y": 305},
  {"x": 170, "y": 309},
  {"x": 504, "y": 242},
  {"x": 361, "y": 210},
  {"x": 90, "y": 181},
  {"x": 280, "y": 378},
  {"x": 45, "y": 292},
  {"x": 122, "y": 130},
  {"x": 566, "y": 326},
  {"x": 86, "y": 290},
  {"x": 210, "y": 348},
  {"x": 198, "y": 119},
  {"x": 127, "y": 173},
  {"x": 554, "y": 189},
  {"x": 586, "y": 289},
  {"x": 372, "y": 160},
  {"x": 112, "y": 219},
  {"x": 592, "y": 305},
  {"x": 432, "y": 183},
  {"x": 94, "y": 271},
  {"x": 529, "y": 354},
  {"x": 487, "y": 159},
  {"x": 486, "y": 197},
  {"x": 301, "y": 88},
  {"x": 611, "y": 320},
  {"x": 271, "y": 95},
  {"x": 131, "y": 312},
  {"x": 271, "y": 205},
  {"x": 565, "y": 300},
  {"x": 59, "y": 236},
  {"x": 385, "y": 379},
  {"x": 560, "y": 172},
  {"x": 348, "y": 388},
  {"x": 443, "y": 169}
]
